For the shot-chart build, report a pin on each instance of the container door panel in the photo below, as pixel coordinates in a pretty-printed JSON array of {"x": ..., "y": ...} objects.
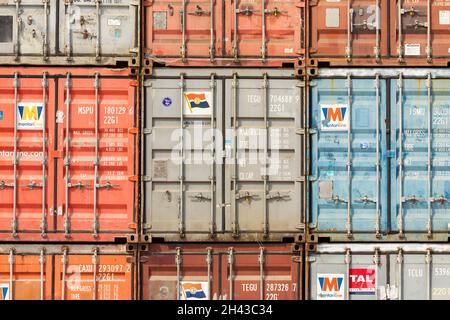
[
  {"x": 26, "y": 186},
  {"x": 162, "y": 282},
  {"x": 103, "y": 28},
  {"x": 94, "y": 193},
  {"x": 264, "y": 29},
  {"x": 415, "y": 270},
  {"x": 28, "y": 27},
  {"x": 201, "y": 22},
  {"x": 260, "y": 276},
  {"x": 349, "y": 29},
  {"x": 337, "y": 277},
  {"x": 20, "y": 277},
  {"x": 340, "y": 165},
  {"x": 420, "y": 29},
  {"x": 419, "y": 118},
  {"x": 184, "y": 196},
  {"x": 264, "y": 157},
  {"x": 112, "y": 279}
]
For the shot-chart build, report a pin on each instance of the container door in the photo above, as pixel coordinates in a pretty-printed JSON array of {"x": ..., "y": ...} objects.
[
  {"x": 185, "y": 29},
  {"x": 347, "y": 276},
  {"x": 25, "y": 277},
  {"x": 27, "y": 108},
  {"x": 96, "y": 154},
  {"x": 264, "y": 156},
  {"x": 420, "y": 276},
  {"x": 196, "y": 279},
  {"x": 28, "y": 27},
  {"x": 349, "y": 28},
  {"x": 420, "y": 174},
  {"x": 93, "y": 277},
  {"x": 264, "y": 274},
  {"x": 183, "y": 191},
  {"x": 420, "y": 29},
  {"x": 348, "y": 190},
  {"x": 264, "y": 29},
  {"x": 98, "y": 28}
]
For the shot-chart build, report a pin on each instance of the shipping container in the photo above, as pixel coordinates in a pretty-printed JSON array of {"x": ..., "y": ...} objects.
[
  {"x": 420, "y": 30},
  {"x": 69, "y": 272},
  {"x": 69, "y": 32},
  {"x": 224, "y": 33},
  {"x": 365, "y": 122},
  {"x": 66, "y": 154},
  {"x": 366, "y": 33},
  {"x": 223, "y": 155},
  {"x": 394, "y": 271},
  {"x": 221, "y": 272}
]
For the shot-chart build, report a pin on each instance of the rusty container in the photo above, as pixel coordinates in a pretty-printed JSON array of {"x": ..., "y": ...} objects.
[
  {"x": 221, "y": 271},
  {"x": 224, "y": 33},
  {"x": 66, "y": 154},
  {"x": 69, "y": 272},
  {"x": 223, "y": 155},
  {"x": 420, "y": 31}
]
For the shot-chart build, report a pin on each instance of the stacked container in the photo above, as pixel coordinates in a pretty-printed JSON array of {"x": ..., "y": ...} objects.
[
  {"x": 223, "y": 187},
  {"x": 69, "y": 150},
  {"x": 378, "y": 129}
]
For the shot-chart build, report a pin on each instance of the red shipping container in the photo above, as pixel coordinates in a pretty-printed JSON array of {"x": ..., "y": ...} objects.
[
  {"x": 221, "y": 271},
  {"x": 224, "y": 33},
  {"x": 72, "y": 272},
  {"x": 66, "y": 154}
]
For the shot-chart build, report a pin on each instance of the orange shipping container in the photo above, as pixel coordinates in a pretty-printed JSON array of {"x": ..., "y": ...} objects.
[
  {"x": 224, "y": 33},
  {"x": 66, "y": 154},
  {"x": 73, "y": 272}
]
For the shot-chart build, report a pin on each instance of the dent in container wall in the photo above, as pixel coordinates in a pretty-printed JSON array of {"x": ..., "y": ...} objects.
[
  {"x": 56, "y": 32},
  {"x": 237, "y": 181},
  {"x": 255, "y": 33},
  {"x": 221, "y": 271},
  {"x": 66, "y": 154},
  {"x": 69, "y": 272},
  {"x": 350, "y": 152},
  {"x": 379, "y": 271}
]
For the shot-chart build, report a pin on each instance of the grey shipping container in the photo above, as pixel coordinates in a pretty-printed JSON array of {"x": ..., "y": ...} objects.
[
  {"x": 379, "y": 155},
  {"x": 241, "y": 178},
  {"x": 395, "y": 271},
  {"x": 68, "y": 32}
]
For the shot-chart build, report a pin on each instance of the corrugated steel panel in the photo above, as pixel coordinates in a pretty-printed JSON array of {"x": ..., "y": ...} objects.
[
  {"x": 66, "y": 154},
  {"x": 224, "y": 33},
  {"x": 70, "y": 272},
  {"x": 349, "y": 29},
  {"x": 254, "y": 116},
  {"x": 221, "y": 271},
  {"x": 420, "y": 172},
  {"x": 379, "y": 271},
  {"x": 54, "y": 32},
  {"x": 348, "y": 156}
]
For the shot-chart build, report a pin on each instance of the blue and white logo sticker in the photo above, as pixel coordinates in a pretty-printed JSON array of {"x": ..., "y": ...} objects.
[
  {"x": 167, "y": 101},
  {"x": 30, "y": 116}
]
